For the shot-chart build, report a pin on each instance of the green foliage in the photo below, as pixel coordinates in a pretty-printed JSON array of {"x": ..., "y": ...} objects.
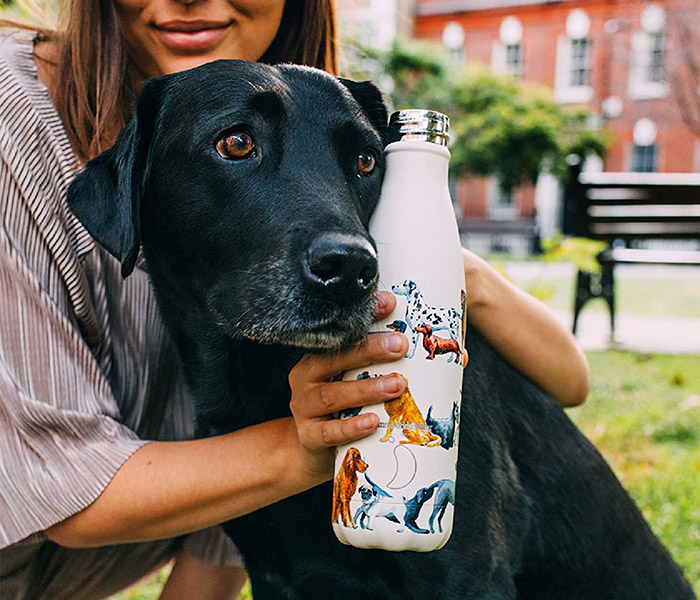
[
  {"x": 578, "y": 250},
  {"x": 500, "y": 127}
]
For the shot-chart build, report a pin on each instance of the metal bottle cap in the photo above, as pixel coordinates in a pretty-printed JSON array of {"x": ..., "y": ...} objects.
[{"x": 421, "y": 125}]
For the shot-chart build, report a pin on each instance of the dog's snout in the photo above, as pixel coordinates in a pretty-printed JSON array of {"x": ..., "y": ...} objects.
[{"x": 343, "y": 267}]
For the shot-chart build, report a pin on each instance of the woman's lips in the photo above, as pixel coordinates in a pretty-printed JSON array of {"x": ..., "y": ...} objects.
[{"x": 191, "y": 36}]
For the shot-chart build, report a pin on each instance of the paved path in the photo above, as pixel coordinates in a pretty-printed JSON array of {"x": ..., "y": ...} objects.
[{"x": 643, "y": 333}]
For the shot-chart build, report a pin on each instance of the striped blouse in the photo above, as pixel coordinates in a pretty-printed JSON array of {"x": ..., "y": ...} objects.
[{"x": 87, "y": 372}]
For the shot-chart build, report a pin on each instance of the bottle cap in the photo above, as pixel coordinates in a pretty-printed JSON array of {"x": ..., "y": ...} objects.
[{"x": 421, "y": 125}]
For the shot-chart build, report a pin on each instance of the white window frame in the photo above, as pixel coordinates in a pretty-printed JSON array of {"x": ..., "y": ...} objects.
[
  {"x": 640, "y": 87},
  {"x": 499, "y": 60},
  {"x": 499, "y": 208},
  {"x": 564, "y": 91}
]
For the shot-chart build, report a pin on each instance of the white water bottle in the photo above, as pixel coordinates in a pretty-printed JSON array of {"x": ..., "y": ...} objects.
[{"x": 395, "y": 489}]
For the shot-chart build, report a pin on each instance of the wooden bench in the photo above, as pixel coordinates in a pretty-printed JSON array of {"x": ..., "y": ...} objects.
[{"x": 625, "y": 210}]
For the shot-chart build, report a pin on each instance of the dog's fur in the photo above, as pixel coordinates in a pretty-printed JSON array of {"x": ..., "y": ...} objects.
[{"x": 539, "y": 515}]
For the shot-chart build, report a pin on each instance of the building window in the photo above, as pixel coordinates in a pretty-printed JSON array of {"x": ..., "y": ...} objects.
[
  {"x": 647, "y": 62},
  {"x": 453, "y": 40},
  {"x": 501, "y": 204},
  {"x": 514, "y": 60},
  {"x": 657, "y": 51},
  {"x": 580, "y": 62},
  {"x": 644, "y": 158},
  {"x": 572, "y": 82}
]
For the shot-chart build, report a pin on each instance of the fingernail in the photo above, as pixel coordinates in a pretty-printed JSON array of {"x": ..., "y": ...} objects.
[
  {"x": 367, "y": 422},
  {"x": 389, "y": 385},
  {"x": 394, "y": 343},
  {"x": 381, "y": 301}
]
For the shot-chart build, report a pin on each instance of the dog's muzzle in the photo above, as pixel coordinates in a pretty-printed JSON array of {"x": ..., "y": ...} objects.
[{"x": 342, "y": 268}]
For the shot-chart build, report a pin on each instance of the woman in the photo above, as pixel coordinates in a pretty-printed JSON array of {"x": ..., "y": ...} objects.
[{"x": 93, "y": 496}]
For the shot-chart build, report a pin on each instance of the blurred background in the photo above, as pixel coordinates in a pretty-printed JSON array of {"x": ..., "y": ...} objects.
[{"x": 576, "y": 172}]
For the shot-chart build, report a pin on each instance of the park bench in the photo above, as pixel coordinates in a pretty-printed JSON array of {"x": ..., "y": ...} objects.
[{"x": 631, "y": 212}]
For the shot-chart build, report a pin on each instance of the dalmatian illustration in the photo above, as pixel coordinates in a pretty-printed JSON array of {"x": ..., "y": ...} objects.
[{"x": 418, "y": 313}]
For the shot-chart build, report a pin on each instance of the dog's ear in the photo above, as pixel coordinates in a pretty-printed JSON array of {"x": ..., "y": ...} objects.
[
  {"x": 370, "y": 99},
  {"x": 106, "y": 196}
]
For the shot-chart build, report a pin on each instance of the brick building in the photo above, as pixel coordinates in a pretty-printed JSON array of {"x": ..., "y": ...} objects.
[{"x": 622, "y": 57}]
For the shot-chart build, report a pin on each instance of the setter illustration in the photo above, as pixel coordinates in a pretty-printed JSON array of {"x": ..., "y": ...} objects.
[
  {"x": 345, "y": 485},
  {"x": 405, "y": 414},
  {"x": 437, "y": 345}
]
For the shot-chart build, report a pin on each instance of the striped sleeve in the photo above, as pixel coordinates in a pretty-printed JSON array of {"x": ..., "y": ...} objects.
[{"x": 62, "y": 437}]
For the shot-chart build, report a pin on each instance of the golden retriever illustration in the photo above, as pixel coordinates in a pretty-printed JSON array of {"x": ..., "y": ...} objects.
[
  {"x": 345, "y": 485},
  {"x": 403, "y": 411}
]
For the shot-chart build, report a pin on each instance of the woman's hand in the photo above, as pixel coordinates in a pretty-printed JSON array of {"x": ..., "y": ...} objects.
[
  {"x": 166, "y": 489},
  {"x": 316, "y": 395}
]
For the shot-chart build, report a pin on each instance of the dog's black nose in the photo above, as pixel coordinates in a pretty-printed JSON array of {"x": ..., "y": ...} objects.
[{"x": 343, "y": 266}]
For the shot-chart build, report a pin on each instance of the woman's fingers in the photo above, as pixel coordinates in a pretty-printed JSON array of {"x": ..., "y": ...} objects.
[
  {"x": 375, "y": 348},
  {"x": 335, "y": 432},
  {"x": 386, "y": 302},
  {"x": 335, "y": 396}
]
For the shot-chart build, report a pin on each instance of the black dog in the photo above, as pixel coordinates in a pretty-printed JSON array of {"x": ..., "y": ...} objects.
[{"x": 243, "y": 185}]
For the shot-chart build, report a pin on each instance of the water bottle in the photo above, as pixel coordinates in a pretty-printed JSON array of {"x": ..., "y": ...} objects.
[{"x": 395, "y": 489}]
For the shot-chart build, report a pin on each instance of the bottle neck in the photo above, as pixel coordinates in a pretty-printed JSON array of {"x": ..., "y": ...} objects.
[{"x": 418, "y": 159}]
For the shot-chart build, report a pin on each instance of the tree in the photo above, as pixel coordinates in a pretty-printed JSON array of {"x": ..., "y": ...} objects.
[
  {"x": 500, "y": 127},
  {"x": 684, "y": 70}
]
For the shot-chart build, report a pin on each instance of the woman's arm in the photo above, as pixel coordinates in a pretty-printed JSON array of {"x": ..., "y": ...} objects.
[
  {"x": 167, "y": 489},
  {"x": 525, "y": 333},
  {"x": 196, "y": 580}
]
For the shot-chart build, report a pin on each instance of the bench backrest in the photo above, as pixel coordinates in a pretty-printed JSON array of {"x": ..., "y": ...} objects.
[{"x": 632, "y": 206}]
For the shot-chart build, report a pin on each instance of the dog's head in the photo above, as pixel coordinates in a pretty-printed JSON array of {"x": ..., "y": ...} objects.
[
  {"x": 353, "y": 462},
  {"x": 405, "y": 289},
  {"x": 425, "y": 328},
  {"x": 366, "y": 493},
  {"x": 249, "y": 188}
]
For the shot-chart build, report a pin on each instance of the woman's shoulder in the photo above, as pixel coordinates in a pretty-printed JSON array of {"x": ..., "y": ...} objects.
[
  {"x": 17, "y": 68},
  {"x": 27, "y": 115}
]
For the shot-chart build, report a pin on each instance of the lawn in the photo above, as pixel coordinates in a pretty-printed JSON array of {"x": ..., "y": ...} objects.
[{"x": 643, "y": 414}]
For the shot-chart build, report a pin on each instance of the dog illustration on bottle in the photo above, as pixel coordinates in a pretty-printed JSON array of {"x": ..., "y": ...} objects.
[
  {"x": 404, "y": 414},
  {"x": 378, "y": 503},
  {"x": 423, "y": 319},
  {"x": 345, "y": 486}
]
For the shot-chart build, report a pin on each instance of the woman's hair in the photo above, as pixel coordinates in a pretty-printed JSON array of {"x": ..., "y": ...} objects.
[{"x": 95, "y": 97}]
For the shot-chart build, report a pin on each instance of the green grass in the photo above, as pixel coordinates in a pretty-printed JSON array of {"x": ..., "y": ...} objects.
[
  {"x": 644, "y": 416},
  {"x": 636, "y": 296}
]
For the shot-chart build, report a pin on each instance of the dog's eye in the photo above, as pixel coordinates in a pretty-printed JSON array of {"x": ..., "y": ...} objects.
[
  {"x": 366, "y": 163},
  {"x": 236, "y": 145}
]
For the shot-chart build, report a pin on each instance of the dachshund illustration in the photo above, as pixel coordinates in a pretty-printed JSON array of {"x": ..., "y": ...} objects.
[
  {"x": 404, "y": 413},
  {"x": 444, "y": 427},
  {"x": 398, "y": 325},
  {"x": 345, "y": 485},
  {"x": 419, "y": 313},
  {"x": 437, "y": 345}
]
